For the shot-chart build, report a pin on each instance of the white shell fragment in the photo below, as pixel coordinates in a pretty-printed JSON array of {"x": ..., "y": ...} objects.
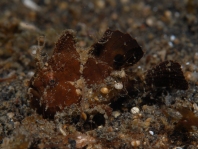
[
  {"x": 116, "y": 114},
  {"x": 62, "y": 131},
  {"x": 135, "y": 110},
  {"x": 32, "y": 5},
  {"x": 151, "y": 133},
  {"x": 118, "y": 86}
]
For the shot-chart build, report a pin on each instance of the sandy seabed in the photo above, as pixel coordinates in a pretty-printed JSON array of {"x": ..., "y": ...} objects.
[{"x": 165, "y": 30}]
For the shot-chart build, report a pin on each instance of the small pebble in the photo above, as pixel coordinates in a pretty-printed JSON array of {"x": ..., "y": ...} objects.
[
  {"x": 116, "y": 114},
  {"x": 135, "y": 143},
  {"x": 118, "y": 86},
  {"x": 84, "y": 116},
  {"x": 168, "y": 14},
  {"x": 150, "y": 21},
  {"x": 104, "y": 90},
  {"x": 99, "y": 127},
  {"x": 135, "y": 110},
  {"x": 151, "y": 133},
  {"x": 62, "y": 131},
  {"x": 31, "y": 4},
  {"x": 100, "y": 4},
  {"x": 170, "y": 44},
  {"x": 172, "y": 37}
]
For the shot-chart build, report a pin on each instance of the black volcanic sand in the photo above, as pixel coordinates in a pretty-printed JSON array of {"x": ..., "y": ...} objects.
[{"x": 165, "y": 29}]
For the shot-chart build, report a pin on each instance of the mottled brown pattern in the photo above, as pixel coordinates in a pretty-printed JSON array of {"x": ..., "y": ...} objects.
[
  {"x": 117, "y": 49},
  {"x": 53, "y": 86},
  {"x": 167, "y": 74},
  {"x": 56, "y": 84}
]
